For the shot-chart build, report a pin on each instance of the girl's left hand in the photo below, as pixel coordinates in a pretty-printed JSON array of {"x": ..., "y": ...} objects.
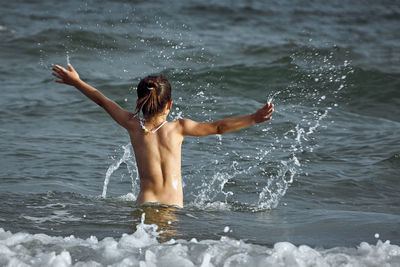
[{"x": 264, "y": 113}]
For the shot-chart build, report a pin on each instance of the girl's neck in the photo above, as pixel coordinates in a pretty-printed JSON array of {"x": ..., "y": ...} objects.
[{"x": 156, "y": 120}]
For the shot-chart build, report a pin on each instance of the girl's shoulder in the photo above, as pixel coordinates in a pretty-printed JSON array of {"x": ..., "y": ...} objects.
[
  {"x": 181, "y": 122},
  {"x": 177, "y": 125}
]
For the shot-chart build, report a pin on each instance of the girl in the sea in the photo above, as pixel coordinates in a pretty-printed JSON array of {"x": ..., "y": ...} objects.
[{"x": 156, "y": 141}]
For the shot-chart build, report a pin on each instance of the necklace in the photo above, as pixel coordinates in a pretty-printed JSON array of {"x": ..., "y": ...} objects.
[{"x": 147, "y": 131}]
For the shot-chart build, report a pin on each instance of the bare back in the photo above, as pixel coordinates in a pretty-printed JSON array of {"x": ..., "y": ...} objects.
[{"x": 158, "y": 157}]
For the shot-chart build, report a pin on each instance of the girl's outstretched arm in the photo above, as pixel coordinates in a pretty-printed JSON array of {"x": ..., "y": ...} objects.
[
  {"x": 192, "y": 128},
  {"x": 71, "y": 77}
]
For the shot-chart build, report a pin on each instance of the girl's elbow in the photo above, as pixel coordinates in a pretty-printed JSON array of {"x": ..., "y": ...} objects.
[{"x": 220, "y": 129}]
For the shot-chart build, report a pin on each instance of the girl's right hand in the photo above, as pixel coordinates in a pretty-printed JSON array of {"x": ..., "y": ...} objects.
[{"x": 70, "y": 77}]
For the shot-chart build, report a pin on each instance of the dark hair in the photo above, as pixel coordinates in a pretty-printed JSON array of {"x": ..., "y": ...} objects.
[{"x": 154, "y": 92}]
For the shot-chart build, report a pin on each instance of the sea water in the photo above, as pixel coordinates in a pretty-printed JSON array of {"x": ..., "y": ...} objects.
[{"x": 315, "y": 186}]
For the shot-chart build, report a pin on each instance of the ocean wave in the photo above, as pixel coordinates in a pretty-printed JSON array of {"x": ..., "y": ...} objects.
[
  {"x": 58, "y": 39},
  {"x": 392, "y": 161},
  {"x": 143, "y": 249}
]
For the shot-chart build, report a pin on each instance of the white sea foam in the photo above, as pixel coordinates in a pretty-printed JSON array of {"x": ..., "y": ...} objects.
[
  {"x": 142, "y": 249},
  {"x": 128, "y": 197}
]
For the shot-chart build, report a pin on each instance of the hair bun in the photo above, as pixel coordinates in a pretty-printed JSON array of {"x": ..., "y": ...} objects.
[
  {"x": 151, "y": 85},
  {"x": 150, "y": 101}
]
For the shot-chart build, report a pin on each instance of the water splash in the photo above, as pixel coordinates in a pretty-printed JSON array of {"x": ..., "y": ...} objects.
[
  {"x": 318, "y": 75},
  {"x": 212, "y": 188},
  {"x": 131, "y": 166},
  {"x": 301, "y": 108},
  {"x": 43, "y": 58},
  {"x": 319, "y": 81},
  {"x": 67, "y": 57}
]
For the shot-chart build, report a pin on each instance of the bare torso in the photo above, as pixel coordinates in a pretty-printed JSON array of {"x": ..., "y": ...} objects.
[{"x": 158, "y": 158}]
